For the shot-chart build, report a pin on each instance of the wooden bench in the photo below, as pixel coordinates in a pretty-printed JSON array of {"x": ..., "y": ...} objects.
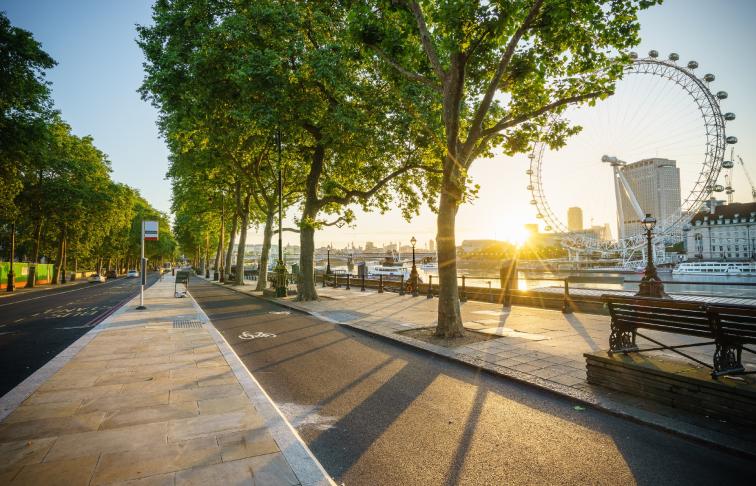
[
  {"x": 733, "y": 327},
  {"x": 675, "y": 317}
]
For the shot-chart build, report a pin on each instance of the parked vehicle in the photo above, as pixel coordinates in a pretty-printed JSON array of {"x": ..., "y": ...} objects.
[
  {"x": 111, "y": 274},
  {"x": 132, "y": 273},
  {"x": 97, "y": 278}
]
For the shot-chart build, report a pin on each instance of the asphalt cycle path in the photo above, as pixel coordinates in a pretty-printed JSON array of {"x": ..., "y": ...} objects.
[
  {"x": 376, "y": 412},
  {"x": 36, "y": 326}
]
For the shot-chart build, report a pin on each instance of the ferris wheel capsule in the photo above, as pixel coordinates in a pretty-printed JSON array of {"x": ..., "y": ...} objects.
[
  {"x": 547, "y": 228},
  {"x": 653, "y": 53},
  {"x": 674, "y": 56},
  {"x": 530, "y": 187},
  {"x": 729, "y": 116},
  {"x": 692, "y": 65},
  {"x": 533, "y": 202},
  {"x": 529, "y": 172},
  {"x": 718, "y": 188},
  {"x": 728, "y": 164},
  {"x": 722, "y": 95},
  {"x": 539, "y": 216},
  {"x": 633, "y": 55},
  {"x": 709, "y": 77},
  {"x": 731, "y": 140}
]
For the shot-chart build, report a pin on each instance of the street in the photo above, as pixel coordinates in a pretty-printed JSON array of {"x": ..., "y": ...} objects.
[
  {"x": 374, "y": 412},
  {"x": 36, "y": 326}
]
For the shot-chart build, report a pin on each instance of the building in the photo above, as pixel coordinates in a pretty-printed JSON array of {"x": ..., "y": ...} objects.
[
  {"x": 575, "y": 219},
  {"x": 431, "y": 245},
  {"x": 656, "y": 186},
  {"x": 469, "y": 246},
  {"x": 728, "y": 233}
]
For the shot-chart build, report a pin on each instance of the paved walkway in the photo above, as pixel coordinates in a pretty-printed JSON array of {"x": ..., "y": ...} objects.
[{"x": 156, "y": 397}]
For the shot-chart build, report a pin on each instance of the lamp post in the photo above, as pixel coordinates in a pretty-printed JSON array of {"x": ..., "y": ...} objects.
[
  {"x": 650, "y": 285},
  {"x": 413, "y": 274},
  {"x": 281, "y": 286},
  {"x": 328, "y": 256}
]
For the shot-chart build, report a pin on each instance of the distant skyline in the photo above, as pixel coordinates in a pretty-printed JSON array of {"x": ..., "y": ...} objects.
[{"x": 100, "y": 68}]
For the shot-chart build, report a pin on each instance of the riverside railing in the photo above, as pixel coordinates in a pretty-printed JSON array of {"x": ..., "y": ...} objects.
[{"x": 565, "y": 295}]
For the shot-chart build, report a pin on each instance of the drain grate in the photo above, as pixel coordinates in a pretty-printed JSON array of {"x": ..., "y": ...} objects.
[{"x": 187, "y": 324}]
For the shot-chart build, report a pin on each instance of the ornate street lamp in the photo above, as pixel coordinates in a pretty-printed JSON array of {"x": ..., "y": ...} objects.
[
  {"x": 328, "y": 264},
  {"x": 650, "y": 285},
  {"x": 413, "y": 274},
  {"x": 281, "y": 286}
]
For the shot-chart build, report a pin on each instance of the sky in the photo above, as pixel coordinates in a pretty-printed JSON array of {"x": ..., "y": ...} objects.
[{"x": 100, "y": 68}]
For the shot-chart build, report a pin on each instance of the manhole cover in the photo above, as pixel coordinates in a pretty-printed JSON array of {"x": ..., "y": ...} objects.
[{"x": 187, "y": 324}]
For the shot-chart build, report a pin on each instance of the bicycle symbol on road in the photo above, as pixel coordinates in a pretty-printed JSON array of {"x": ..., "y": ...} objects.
[{"x": 246, "y": 335}]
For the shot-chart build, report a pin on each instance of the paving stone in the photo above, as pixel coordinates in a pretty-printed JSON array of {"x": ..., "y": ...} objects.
[
  {"x": 8, "y": 473},
  {"x": 43, "y": 410},
  {"x": 205, "y": 425},
  {"x": 124, "y": 400},
  {"x": 167, "y": 479},
  {"x": 104, "y": 441},
  {"x": 260, "y": 471},
  {"x": 71, "y": 395},
  {"x": 156, "y": 459},
  {"x": 72, "y": 472},
  {"x": 150, "y": 414},
  {"x": 49, "y": 427},
  {"x": 205, "y": 392},
  {"x": 224, "y": 405},
  {"x": 248, "y": 443},
  {"x": 19, "y": 453}
]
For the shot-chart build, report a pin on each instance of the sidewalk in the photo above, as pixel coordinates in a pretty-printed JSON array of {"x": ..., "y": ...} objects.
[
  {"x": 536, "y": 346},
  {"x": 149, "y": 397}
]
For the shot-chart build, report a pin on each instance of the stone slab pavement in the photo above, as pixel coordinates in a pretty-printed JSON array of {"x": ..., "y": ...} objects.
[
  {"x": 537, "y": 346},
  {"x": 149, "y": 397}
]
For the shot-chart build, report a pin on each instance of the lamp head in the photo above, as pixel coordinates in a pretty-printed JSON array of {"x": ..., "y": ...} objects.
[
  {"x": 413, "y": 241},
  {"x": 649, "y": 222}
]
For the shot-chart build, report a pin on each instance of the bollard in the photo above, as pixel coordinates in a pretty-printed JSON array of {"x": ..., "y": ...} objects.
[
  {"x": 490, "y": 294},
  {"x": 347, "y": 285},
  {"x": 335, "y": 281},
  {"x": 324, "y": 280},
  {"x": 362, "y": 287},
  {"x": 401, "y": 285},
  {"x": 463, "y": 294},
  {"x": 430, "y": 286},
  {"x": 566, "y": 306},
  {"x": 380, "y": 284}
]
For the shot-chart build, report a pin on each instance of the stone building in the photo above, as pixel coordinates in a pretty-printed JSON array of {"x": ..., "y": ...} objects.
[{"x": 728, "y": 233}]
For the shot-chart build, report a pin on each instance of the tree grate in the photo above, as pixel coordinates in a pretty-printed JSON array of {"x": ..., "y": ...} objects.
[{"x": 187, "y": 324}]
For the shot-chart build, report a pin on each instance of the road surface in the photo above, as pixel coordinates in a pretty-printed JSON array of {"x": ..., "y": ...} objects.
[
  {"x": 36, "y": 326},
  {"x": 375, "y": 412}
]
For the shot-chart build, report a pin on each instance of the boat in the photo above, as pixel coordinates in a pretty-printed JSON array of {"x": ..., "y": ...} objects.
[
  {"x": 429, "y": 266},
  {"x": 746, "y": 269},
  {"x": 391, "y": 267}
]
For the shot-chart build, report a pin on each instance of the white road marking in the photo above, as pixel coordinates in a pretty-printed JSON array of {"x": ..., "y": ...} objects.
[{"x": 246, "y": 335}]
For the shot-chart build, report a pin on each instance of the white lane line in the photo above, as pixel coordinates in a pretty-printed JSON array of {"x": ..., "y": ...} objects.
[{"x": 56, "y": 293}]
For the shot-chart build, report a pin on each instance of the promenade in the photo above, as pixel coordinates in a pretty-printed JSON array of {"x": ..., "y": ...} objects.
[
  {"x": 154, "y": 396},
  {"x": 537, "y": 346}
]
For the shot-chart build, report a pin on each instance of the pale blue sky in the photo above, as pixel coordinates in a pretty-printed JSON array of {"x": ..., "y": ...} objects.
[{"x": 99, "y": 70}]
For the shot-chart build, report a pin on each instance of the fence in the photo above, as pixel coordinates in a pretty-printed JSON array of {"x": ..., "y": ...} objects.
[{"x": 43, "y": 273}]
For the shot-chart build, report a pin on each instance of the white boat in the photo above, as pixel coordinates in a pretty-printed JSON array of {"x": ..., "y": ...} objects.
[
  {"x": 397, "y": 270},
  {"x": 716, "y": 268},
  {"x": 429, "y": 266}
]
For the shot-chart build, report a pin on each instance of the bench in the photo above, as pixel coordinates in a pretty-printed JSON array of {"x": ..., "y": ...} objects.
[{"x": 733, "y": 328}]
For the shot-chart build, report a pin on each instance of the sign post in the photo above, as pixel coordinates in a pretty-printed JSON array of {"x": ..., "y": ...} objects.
[{"x": 149, "y": 232}]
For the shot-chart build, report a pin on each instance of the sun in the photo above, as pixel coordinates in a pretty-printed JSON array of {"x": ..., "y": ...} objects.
[{"x": 513, "y": 233}]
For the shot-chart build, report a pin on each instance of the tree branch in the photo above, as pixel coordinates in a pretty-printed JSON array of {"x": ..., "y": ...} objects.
[
  {"x": 405, "y": 72},
  {"x": 508, "y": 123},
  {"x": 354, "y": 194},
  {"x": 425, "y": 38},
  {"x": 485, "y": 103},
  {"x": 339, "y": 222},
  {"x": 292, "y": 230}
]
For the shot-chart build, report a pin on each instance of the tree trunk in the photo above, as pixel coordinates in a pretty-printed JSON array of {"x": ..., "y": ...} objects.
[
  {"x": 31, "y": 279},
  {"x": 218, "y": 255},
  {"x": 239, "y": 272},
  {"x": 59, "y": 264},
  {"x": 306, "y": 290},
  {"x": 449, "y": 317},
  {"x": 64, "y": 261},
  {"x": 262, "y": 267},
  {"x": 231, "y": 239}
]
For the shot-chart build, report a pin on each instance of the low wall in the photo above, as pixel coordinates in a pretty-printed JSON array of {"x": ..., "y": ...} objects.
[{"x": 675, "y": 383}]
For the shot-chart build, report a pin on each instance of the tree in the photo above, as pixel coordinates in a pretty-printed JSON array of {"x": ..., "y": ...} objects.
[{"x": 493, "y": 73}]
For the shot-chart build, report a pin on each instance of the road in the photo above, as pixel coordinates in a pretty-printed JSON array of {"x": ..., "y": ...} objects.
[
  {"x": 374, "y": 412},
  {"x": 36, "y": 326}
]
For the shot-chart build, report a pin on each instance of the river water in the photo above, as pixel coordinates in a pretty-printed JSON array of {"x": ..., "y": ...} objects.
[{"x": 731, "y": 286}]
